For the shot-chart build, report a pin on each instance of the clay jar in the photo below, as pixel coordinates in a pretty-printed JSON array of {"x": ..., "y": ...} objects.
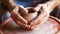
[{"x": 30, "y": 15}]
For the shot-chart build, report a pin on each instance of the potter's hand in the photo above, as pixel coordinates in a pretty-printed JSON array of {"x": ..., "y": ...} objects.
[
  {"x": 42, "y": 17},
  {"x": 18, "y": 18},
  {"x": 45, "y": 9}
]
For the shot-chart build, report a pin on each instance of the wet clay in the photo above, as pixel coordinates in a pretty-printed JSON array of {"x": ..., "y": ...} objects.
[{"x": 30, "y": 15}]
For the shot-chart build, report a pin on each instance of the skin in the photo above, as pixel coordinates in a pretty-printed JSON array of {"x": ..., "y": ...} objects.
[{"x": 22, "y": 22}]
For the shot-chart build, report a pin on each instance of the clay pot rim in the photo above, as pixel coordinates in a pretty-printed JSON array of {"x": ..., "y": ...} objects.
[{"x": 32, "y": 13}]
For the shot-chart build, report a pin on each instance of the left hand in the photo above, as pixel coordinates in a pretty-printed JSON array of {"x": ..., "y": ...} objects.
[
  {"x": 42, "y": 17},
  {"x": 45, "y": 9}
]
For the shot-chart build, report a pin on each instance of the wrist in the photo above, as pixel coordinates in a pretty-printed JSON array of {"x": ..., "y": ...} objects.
[{"x": 52, "y": 4}]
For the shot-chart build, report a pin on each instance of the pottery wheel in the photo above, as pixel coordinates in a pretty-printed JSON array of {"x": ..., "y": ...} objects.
[{"x": 45, "y": 28}]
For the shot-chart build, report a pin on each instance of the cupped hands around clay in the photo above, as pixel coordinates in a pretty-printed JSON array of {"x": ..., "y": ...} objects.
[{"x": 30, "y": 15}]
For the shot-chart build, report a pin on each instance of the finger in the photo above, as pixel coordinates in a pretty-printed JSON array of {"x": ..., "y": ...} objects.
[
  {"x": 34, "y": 27},
  {"x": 18, "y": 16},
  {"x": 39, "y": 23},
  {"x": 3, "y": 24},
  {"x": 37, "y": 8},
  {"x": 20, "y": 23},
  {"x": 21, "y": 8},
  {"x": 6, "y": 21},
  {"x": 38, "y": 19},
  {"x": 40, "y": 16}
]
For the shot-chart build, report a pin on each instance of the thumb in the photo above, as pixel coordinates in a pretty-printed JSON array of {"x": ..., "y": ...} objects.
[
  {"x": 37, "y": 8},
  {"x": 21, "y": 8}
]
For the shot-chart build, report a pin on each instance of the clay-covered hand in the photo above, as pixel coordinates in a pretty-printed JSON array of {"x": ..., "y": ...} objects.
[
  {"x": 42, "y": 17},
  {"x": 45, "y": 9},
  {"x": 18, "y": 18}
]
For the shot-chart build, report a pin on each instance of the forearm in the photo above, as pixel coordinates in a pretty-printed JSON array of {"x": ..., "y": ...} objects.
[
  {"x": 8, "y": 4},
  {"x": 52, "y": 4}
]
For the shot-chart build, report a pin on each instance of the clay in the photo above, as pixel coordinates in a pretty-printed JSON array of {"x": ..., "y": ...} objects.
[{"x": 30, "y": 15}]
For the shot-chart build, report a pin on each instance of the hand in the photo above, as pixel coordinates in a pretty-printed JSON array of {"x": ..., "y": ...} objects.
[
  {"x": 42, "y": 17},
  {"x": 36, "y": 22},
  {"x": 45, "y": 9},
  {"x": 18, "y": 18}
]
